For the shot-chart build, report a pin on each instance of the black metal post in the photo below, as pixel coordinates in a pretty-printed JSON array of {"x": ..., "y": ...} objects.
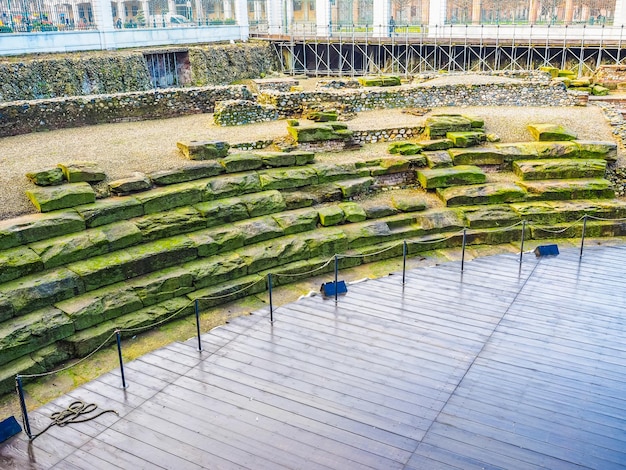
[
  {"x": 197, "y": 309},
  {"x": 269, "y": 285},
  {"x": 404, "y": 262},
  {"x": 20, "y": 392},
  {"x": 336, "y": 278},
  {"x": 582, "y": 240},
  {"x": 119, "y": 353},
  {"x": 521, "y": 250},
  {"x": 463, "y": 252}
]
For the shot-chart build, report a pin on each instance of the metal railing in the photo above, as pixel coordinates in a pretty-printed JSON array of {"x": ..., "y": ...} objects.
[{"x": 463, "y": 234}]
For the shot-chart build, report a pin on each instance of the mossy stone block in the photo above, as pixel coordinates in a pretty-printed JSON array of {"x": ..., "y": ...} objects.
[
  {"x": 263, "y": 203},
  {"x": 597, "y": 149},
  {"x": 487, "y": 193},
  {"x": 477, "y": 156},
  {"x": 550, "y": 132},
  {"x": 367, "y": 233},
  {"x": 18, "y": 262},
  {"x": 110, "y": 210},
  {"x": 259, "y": 229},
  {"x": 318, "y": 133},
  {"x": 238, "y": 162},
  {"x": 490, "y": 216},
  {"x": 356, "y": 186},
  {"x": 566, "y": 73},
  {"x": 6, "y": 308},
  {"x": 121, "y": 234},
  {"x": 299, "y": 199},
  {"x": 578, "y": 82},
  {"x": 216, "y": 269},
  {"x": 164, "y": 224},
  {"x": 49, "y": 177},
  {"x": 303, "y": 157},
  {"x": 330, "y": 215},
  {"x": 404, "y": 148},
  {"x": 598, "y": 90},
  {"x": 286, "y": 178},
  {"x": 561, "y": 168},
  {"x": 475, "y": 122},
  {"x": 222, "y": 211},
  {"x": 102, "y": 270},
  {"x": 77, "y": 172},
  {"x": 232, "y": 185},
  {"x": 23, "y": 335},
  {"x": 554, "y": 212},
  {"x": 133, "y": 184},
  {"x": 94, "y": 307},
  {"x": 353, "y": 212},
  {"x": 165, "y": 284},
  {"x": 272, "y": 253},
  {"x": 322, "y": 116},
  {"x": 395, "y": 164},
  {"x": 325, "y": 193},
  {"x": 529, "y": 150},
  {"x": 407, "y": 203},
  {"x": 438, "y": 125},
  {"x": 170, "y": 197},
  {"x": 550, "y": 190},
  {"x": 35, "y": 227},
  {"x": 436, "y": 144},
  {"x": 160, "y": 254},
  {"x": 51, "y": 198},
  {"x": 436, "y": 221},
  {"x": 86, "y": 341},
  {"x": 439, "y": 159},
  {"x": 327, "y": 172},
  {"x": 553, "y": 71},
  {"x": 278, "y": 159},
  {"x": 203, "y": 149},
  {"x": 296, "y": 221},
  {"x": 29, "y": 293},
  {"x": 193, "y": 172},
  {"x": 217, "y": 240},
  {"x": 390, "y": 80},
  {"x": 377, "y": 210},
  {"x": 453, "y": 176},
  {"x": 69, "y": 248},
  {"x": 326, "y": 241},
  {"x": 370, "y": 81},
  {"x": 466, "y": 139}
]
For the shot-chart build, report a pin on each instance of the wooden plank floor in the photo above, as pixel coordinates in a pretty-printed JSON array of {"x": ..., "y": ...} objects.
[{"x": 501, "y": 366}]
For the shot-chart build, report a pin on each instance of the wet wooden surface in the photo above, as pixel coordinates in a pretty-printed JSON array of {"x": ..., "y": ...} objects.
[{"x": 496, "y": 367}]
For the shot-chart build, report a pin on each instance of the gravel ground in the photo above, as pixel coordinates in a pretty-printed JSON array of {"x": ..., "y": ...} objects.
[{"x": 147, "y": 146}]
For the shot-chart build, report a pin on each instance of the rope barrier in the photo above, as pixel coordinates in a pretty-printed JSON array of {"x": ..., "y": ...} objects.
[
  {"x": 139, "y": 328},
  {"x": 330, "y": 260},
  {"x": 71, "y": 415},
  {"x": 604, "y": 219},
  {"x": 561, "y": 230},
  {"x": 223, "y": 296},
  {"x": 425, "y": 242},
  {"x": 371, "y": 254}
]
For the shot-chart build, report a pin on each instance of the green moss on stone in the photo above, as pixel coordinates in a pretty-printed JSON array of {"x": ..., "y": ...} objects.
[
  {"x": 367, "y": 233},
  {"x": 35, "y": 227},
  {"x": 164, "y": 224},
  {"x": 197, "y": 171},
  {"x": 278, "y": 159},
  {"x": 165, "y": 284},
  {"x": 94, "y": 307},
  {"x": 18, "y": 262},
  {"x": 51, "y": 198},
  {"x": 568, "y": 189},
  {"x": 353, "y": 212},
  {"x": 76, "y": 172},
  {"x": 353, "y": 187},
  {"x": 328, "y": 172},
  {"x": 263, "y": 203},
  {"x": 404, "y": 148},
  {"x": 232, "y": 185},
  {"x": 222, "y": 211},
  {"x": 439, "y": 159},
  {"x": 287, "y": 178},
  {"x": 406, "y": 203},
  {"x": 242, "y": 162},
  {"x": 330, "y": 215},
  {"x": 69, "y": 248},
  {"x": 110, "y": 210},
  {"x": 295, "y": 221},
  {"x": 216, "y": 269},
  {"x": 466, "y": 139},
  {"x": 559, "y": 168},
  {"x": 259, "y": 229},
  {"x": 171, "y": 197},
  {"x": 217, "y": 240},
  {"x": 326, "y": 241},
  {"x": 488, "y": 193},
  {"x": 268, "y": 254},
  {"x": 453, "y": 176},
  {"x": 478, "y": 156},
  {"x": 550, "y": 132},
  {"x": 23, "y": 335},
  {"x": 49, "y": 177},
  {"x": 35, "y": 291},
  {"x": 490, "y": 216}
]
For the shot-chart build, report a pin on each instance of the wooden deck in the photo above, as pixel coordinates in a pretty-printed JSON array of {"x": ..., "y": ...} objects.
[{"x": 498, "y": 367}]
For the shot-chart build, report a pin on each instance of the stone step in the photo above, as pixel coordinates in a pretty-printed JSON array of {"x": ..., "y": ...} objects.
[
  {"x": 478, "y": 194},
  {"x": 551, "y": 190},
  {"x": 490, "y": 216},
  {"x": 600, "y": 229},
  {"x": 564, "y": 168},
  {"x": 453, "y": 176},
  {"x": 553, "y": 212}
]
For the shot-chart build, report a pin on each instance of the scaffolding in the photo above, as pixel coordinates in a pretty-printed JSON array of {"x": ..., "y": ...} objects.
[{"x": 450, "y": 49}]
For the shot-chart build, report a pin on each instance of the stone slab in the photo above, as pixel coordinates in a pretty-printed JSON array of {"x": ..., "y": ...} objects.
[
  {"x": 439, "y": 159},
  {"x": 453, "y": 176},
  {"x": 76, "y": 172},
  {"x": 487, "y": 193},
  {"x": 561, "y": 168},
  {"x": 550, "y": 190},
  {"x": 193, "y": 172},
  {"x": 51, "y": 198}
]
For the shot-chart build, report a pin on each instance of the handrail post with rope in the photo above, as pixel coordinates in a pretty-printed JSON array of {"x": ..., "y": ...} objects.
[
  {"x": 196, "y": 306},
  {"x": 269, "y": 288},
  {"x": 119, "y": 353},
  {"x": 20, "y": 392},
  {"x": 404, "y": 250},
  {"x": 463, "y": 250},
  {"x": 336, "y": 277},
  {"x": 521, "y": 250},
  {"x": 582, "y": 239}
]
